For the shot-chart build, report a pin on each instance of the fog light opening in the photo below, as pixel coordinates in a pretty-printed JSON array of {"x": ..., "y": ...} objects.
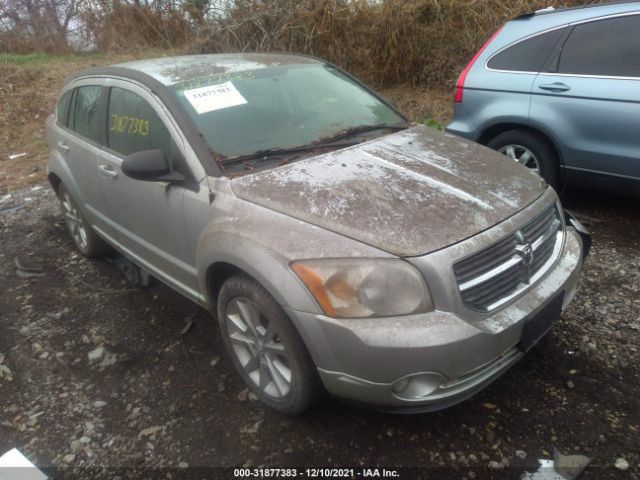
[
  {"x": 401, "y": 385},
  {"x": 417, "y": 386}
]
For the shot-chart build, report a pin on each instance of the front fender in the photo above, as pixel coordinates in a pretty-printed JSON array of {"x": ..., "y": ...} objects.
[
  {"x": 263, "y": 243},
  {"x": 266, "y": 266}
]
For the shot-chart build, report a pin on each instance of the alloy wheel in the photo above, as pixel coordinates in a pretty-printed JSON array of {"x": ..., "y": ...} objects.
[
  {"x": 522, "y": 155},
  {"x": 258, "y": 348},
  {"x": 75, "y": 222}
]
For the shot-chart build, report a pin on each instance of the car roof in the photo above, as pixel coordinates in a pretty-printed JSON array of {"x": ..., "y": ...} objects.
[
  {"x": 177, "y": 69},
  {"x": 171, "y": 70}
]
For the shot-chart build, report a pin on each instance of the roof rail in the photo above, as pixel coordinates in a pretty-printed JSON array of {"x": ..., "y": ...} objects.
[{"x": 552, "y": 10}]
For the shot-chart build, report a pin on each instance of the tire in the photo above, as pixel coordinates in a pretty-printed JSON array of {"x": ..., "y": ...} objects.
[
  {"x": 84, "y": 237},
  {"x": 265, "y": 347},
  {"x": 513, "y": 144}
]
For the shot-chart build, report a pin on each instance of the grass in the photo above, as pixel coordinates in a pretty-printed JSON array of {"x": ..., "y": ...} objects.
[
  {"x": 429, "y": 106},
  {"x": 41, "y": 57},
  {"x": 431, "y": 123}
]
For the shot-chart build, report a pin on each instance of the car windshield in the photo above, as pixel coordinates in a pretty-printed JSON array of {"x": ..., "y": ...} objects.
[{"x": 281, "y": 107}]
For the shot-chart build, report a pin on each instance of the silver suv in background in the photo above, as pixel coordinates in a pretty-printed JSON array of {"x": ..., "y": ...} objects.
[
  {"x": 559, "y": 92},
  {"x": 337, "y": 244}
]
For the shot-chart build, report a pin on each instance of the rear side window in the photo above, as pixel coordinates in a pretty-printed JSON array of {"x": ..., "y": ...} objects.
[
  {"x": 134, "y": 126},
  {"x": 86, "y": 112},
  {"x": 605, "y": 47},
  {"x": 528, "y": 55},
  {"x": 62, "y": 108}
]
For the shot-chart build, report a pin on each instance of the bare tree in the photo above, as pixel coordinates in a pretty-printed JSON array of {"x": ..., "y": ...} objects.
[{"x": 42, "y": 23}]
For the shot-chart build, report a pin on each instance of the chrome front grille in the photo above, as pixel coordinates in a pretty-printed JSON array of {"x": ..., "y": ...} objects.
[{"x": 493, "y": 276}]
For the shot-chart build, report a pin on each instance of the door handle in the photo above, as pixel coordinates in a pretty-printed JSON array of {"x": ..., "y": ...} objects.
[
  {"x": 63, "y": 146},
  {"x": 556, "y": 87},
  {"x": 108, "y": 171}
]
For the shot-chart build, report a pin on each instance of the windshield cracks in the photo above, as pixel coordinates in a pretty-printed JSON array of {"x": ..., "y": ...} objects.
[{"x": 273, "y": 157}]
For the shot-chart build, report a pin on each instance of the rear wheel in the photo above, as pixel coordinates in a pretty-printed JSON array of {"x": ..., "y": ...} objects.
[
  {"x": 265, "y": 347},
  {"x": 531, "y": 150},
  {"x": 84, "y": 237}
]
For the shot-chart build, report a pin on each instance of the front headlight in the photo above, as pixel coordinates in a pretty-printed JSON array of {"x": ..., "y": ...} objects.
[{"x": 352, "y": 288}]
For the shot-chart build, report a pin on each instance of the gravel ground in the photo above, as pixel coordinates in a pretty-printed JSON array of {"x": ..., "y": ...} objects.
[{"x": 117, "y": 381}]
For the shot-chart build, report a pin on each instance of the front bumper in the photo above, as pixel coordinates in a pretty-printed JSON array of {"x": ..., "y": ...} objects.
[
  {"x": 580, "y": 230},
  {"x": 448, "y": 358}
]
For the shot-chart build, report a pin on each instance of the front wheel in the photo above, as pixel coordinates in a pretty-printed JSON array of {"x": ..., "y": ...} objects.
[
  {"x": 265, "y": 347},
  {"x": 530, "y": 150}
]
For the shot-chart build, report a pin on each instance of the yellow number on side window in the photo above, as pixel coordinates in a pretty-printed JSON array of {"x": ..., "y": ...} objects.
[
  {"x": 129, "y": 125},
  {"x": 144, "y": 128}
]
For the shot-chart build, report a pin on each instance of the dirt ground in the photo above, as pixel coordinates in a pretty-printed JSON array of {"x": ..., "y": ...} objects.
[{"x": 159, "y": 398}]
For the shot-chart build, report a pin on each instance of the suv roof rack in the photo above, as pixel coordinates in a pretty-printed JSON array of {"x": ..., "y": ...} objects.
[{"x": 551, "y": 9}]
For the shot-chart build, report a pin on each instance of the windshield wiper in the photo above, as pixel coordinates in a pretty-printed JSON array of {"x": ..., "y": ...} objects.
[
  {"x": 270, "y": 152},
  {"x": 334, "y": 141}
]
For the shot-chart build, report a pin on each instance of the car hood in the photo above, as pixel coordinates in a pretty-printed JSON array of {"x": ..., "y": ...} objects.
[{"x": 408, "y": 193}]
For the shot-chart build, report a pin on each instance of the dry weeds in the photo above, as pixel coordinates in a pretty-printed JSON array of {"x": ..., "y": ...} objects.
[{"x": 416, "y": 42}]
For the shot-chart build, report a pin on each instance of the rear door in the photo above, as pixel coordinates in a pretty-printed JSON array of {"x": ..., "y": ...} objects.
[
  {"x": 589, "y": 97},
  {"x": 79, "y": 143},
  {"x": 499, "y": 92},
  {"x": 147, "y": 219}
]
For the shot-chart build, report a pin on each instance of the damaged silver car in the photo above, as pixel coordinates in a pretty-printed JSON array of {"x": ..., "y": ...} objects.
[{"x": 340, "y": 247}]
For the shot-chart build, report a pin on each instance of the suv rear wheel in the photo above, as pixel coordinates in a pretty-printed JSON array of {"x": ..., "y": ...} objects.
[
  {"x": 531, "y": 150},
  {"x": 265, "y": 347}
]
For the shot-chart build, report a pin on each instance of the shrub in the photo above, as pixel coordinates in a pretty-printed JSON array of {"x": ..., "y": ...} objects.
[{"x": 385, "y": 43}]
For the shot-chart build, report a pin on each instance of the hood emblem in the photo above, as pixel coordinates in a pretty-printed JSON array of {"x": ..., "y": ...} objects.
[{"x": 524, "y": 250}]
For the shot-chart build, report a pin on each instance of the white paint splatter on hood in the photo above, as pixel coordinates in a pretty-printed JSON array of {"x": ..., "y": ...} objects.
[{"x": 407, "y": 193}]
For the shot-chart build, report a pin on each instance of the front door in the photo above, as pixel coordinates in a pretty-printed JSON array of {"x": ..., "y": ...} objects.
[{"x": 147, "y": 218}]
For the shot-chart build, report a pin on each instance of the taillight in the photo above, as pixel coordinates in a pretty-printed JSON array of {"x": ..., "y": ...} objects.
[{"x": 463, "y": 74}]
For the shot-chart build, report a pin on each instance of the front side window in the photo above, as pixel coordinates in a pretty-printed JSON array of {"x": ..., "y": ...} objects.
[
  {"x": 605, "y": 47},
  {"x": 134, "y": 126},
  {"x": 528, "y": 55},
  {"x": 285, "y": 106},
  {"x": 86, "y": 112}
]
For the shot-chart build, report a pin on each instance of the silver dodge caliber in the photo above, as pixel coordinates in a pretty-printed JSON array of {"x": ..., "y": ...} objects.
[{"x": 339, "y": 246}]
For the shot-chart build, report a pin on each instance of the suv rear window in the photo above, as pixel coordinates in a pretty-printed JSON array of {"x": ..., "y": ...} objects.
[
  {"x": 605, "y": 47},
  {"x": 528, "y": 55}
]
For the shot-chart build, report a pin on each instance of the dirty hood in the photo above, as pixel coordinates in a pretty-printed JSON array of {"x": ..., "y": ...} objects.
[{"x": 408, "y": 193}]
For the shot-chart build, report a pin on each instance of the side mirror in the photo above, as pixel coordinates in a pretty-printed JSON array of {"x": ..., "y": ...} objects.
[{"x": 150, "y": 166}]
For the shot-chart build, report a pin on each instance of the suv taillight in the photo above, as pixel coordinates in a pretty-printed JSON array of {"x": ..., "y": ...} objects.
[{"x": 463, "y": 74}]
